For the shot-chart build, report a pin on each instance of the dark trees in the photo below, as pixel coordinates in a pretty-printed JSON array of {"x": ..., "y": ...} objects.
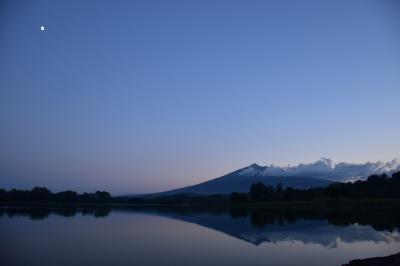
[
  {"x": 102, "y": 196},
  {"x": 260, "y": 192},
  {"x": 376, "y": 186},
  {"x": 236, "y": 197},
  {"x": 66, "y": 196},
  {"x": 42, "y": 194}
]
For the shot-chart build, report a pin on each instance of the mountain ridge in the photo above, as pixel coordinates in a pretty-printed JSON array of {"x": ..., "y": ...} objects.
[{"x": 303, "y": 176}]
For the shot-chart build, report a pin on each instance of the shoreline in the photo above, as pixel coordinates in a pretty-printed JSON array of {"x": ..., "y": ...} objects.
[{"x": 307, "y": 204}]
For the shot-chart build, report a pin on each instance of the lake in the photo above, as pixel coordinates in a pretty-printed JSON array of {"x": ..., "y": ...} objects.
[{"x": 194, "y": 236}]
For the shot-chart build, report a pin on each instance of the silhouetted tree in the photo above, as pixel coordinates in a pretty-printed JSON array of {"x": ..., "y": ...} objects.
[
  {"x": 88, "y": 197},
  {"x": 3, "y": 195},
  {"x": 396, "y": 178},
  {"x": 279, "y": 191},
  {"x": 377, "y": 179},
  {"x": 102, "y": 196},
  {"x": 260, "y": 192},
  {"x": 40, "y": 194},
  {"x": 66, "y": 196},
  {"x": 376, "y": 186},
  {"x": 236, "y": 197},
  {"x": 289, "y": 193}
]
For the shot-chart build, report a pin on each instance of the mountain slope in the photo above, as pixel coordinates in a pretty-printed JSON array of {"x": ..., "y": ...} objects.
[
  {"x": 242, "y": 179},
  {"x": 318, "y": 174}
]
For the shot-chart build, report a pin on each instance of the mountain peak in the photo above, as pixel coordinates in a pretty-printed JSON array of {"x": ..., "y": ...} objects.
[
  {"x": 252, "y": 169},
  {"x": 256, "y": 166}
]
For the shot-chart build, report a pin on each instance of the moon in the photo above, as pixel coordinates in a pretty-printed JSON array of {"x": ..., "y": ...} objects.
[{"x": 42, "y": 28}]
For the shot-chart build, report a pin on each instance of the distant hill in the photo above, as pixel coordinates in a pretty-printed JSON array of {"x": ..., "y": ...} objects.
[
  {"x": 241, "y": 180},
  {"x": 318, "y": 174}
]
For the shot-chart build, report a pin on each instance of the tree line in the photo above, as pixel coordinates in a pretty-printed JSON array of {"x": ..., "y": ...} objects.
[
  {"x": 42, "y": 194},
  {"x": 375, "y": 187}
]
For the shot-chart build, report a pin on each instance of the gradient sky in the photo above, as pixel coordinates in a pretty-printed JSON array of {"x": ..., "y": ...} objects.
[{"x": 143, "y": 96}]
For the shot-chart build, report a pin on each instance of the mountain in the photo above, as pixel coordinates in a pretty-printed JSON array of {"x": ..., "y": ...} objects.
[
  {"x": 317, "y": 174},
  {"x": 242, "y": 179}
]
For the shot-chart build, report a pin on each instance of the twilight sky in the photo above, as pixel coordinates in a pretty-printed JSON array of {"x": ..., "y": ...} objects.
[{"x": 143, "y": 96}]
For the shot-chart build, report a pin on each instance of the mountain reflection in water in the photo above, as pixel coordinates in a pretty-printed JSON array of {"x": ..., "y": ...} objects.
[{"x": 256, "y": 226}]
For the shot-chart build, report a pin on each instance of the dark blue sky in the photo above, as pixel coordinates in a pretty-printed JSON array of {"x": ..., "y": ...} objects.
[{"x": 141, "y": 96}]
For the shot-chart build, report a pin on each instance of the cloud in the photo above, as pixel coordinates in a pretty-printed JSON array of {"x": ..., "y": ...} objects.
[{"x": 325, "y": 168}]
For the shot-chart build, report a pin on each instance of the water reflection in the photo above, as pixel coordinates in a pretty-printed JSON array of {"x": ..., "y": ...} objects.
[
  {"x": 259, "y": 225},
  {"x": 195, "y": 236},
  {"x": 42, "y": 213},
  {"x": 318, "y": 227}
]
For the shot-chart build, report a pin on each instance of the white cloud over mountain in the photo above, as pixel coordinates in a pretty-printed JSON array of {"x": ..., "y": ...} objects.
[{"x": 326, "y": 169}]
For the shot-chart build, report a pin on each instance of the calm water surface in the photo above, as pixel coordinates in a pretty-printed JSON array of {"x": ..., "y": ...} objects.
[{"x": 193, "y": 237}]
